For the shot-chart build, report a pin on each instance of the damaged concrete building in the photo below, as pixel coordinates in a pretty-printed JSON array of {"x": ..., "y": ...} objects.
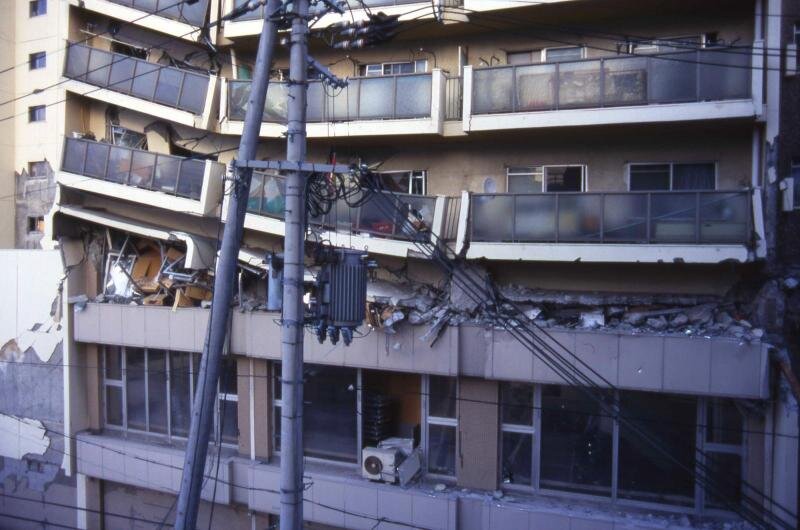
[{"x": 621, "y": 171}]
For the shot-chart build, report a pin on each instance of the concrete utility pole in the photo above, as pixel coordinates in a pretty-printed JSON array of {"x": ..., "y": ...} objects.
[
  {"x": 203, "y": 406},
  {"x": 293, "y": 313}
]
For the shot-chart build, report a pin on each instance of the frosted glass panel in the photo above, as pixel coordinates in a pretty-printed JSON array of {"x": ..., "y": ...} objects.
[
  {"x": 376, "y": 98},
  {"x": 535, "y": 87},
  {"x": 413, "y": 96},
  {"x": 492, "y": 90}
]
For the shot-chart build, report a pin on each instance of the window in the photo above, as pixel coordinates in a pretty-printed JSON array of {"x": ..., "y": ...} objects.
[
  {"x": 36, "y": 224},
  {"x": 419, "y": 66},
  {"x": 412, "y": 182},
  {"x": 151, "y": 391},
  {"x": 683, "y": 176},
  {"x": 38, "y": 7},
  {"x": 546, "y": 55},
  {"x": 667, "y": 44},
  {"x": 37, "y": 113},
  {"x": 795, "y": 176},
  {"x": 523, "y": 57},
  {"x": 38, "y": 169},
  {"x": 538, "y": 179},
  {"x": 37, "y": 60},
  {"x": 244, "y": 72},
  {"x": 439, "y": 402},
  {"x": 330, "y": 416},
  {"x": 558, "y": 438},
  {"x": 128, "y": 138},
  {"x": 129, "y": 50}
]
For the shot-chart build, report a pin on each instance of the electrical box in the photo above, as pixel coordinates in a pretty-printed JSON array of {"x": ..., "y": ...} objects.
[{"x": 341, "y": 294}]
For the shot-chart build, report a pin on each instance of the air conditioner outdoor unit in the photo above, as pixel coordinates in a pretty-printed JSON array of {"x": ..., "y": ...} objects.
[{"x": 380, "y": 464}]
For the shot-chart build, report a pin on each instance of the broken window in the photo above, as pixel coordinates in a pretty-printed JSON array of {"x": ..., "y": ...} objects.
[
  {"x": 672, "y": 176},
  {"x": 37, "y": 60},
  {"x": 538, "y": 179},
  {"x": 36, "y": 224},
  {"x": 128, "y": 138},
  {"x": 151, "y": 390},
  {"x": 129, "y": 50},
  {"x": 441, "y": 425},
  {"x": 411, "y": 182}
]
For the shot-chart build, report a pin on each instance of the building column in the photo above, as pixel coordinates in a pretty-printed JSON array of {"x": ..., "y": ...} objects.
[
  {"x": 478, "y": 424},
  {"x": 89, "y": 500}
]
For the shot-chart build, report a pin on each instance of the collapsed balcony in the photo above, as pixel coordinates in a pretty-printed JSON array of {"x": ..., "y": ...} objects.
[
  {"x": 157, "y": 179},
  {"x": 192, "y": 14},
  {"x": 168, "y": 92}
]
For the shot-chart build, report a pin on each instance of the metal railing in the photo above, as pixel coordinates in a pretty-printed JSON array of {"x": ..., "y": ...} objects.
[
  {"x": 134, "y": 167},
  {"x": 670, "y": 217},
  {"x": 258, "y": 14},
  {"x": 451, "y": 218},
  {"x": 165, "y": 85},
  {"x": 193, "y": 14},
  {"x": 454, "y": 97},
  {"x": 267, "y": 197},
  {"x": 699, "y": 75},
  {"x": 365, "y": 98}
]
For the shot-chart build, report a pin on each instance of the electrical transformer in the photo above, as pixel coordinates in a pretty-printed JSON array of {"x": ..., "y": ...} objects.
[{"x": 341, "y": 294}]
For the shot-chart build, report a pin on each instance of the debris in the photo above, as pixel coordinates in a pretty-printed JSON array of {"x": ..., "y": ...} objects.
[
  {"x": 440, "y": 487},
  {"x": 593, "y": 319},
  {"x": 658, "y": 323},
  {"x": 701, "y": 314},
  {"x": 769, "y": 307},
  {"x": 791, "y": 283},
  {"x": 757, "y": 332},
  {"x": 724, "y": 319},
  {"x": 679, "y": 320}
]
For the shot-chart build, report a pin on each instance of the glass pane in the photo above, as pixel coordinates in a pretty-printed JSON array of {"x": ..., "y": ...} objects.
[
  {"x": 329, "y": 417},
  {"x": 194, "y": 99},
  {"x": 144, "y": 81},
  {"x": 238, "y": 92},
  {"x": 256, "y": 195},
  {"x": 694, "y": 176},
  {"x": 191, "y": 182},
  {"x": 563, "y": 178},
  {"x": 74, "y": 153},
  {"x": 343, "y": 104},
  {"x": 134, "y": 387},
  {"x": 576, "y": 441},
  {"x": 724, "y": 217},
  {"x": 169, "y": 86},
  {"x": 724, "y": 74},
  {"x": 419, "y": 220},
  {"x": 526, "y": 183},
  {"x": 170, "y": 8},
  {"x": 119, "y": 164},
  {"x": 157, "y": 390},
  {"x": 229, "y": 421},
  {"x": 276, "y": 107},
  {"x": 490, "y": 219},
  {"x": 442, "y": 398},
  {"x": 166, "y": 176},
  {"x": 113, "y": 362},
  {"x": 194, "y": 14},
  {"x": 645, "y": 473},
  {"x": 315, "y": 101},
  {"x": 535, "y": 87},
  {"x": 725, "y": 473},
  {"x": 535, "y": 218},
  {"x": 228, "y": 383},
  {"x": 379, "y": 215},
  {"x": 492, "y": 90},
  {"x": 142, "y": 169},
  {"x": 180, "y": 393},
  {"x": 625, "y": 81},
  {"x": 376, "y": 99},
  {"x": 579, "y": 84},
  {"x": 122, "y": 72},
  {"x": 96, "y": 159},
  {"x": 673, "y": 77},
  {"x": 517, "y": 458},
  {"x": 274, "y": 195},
  {"x": 649, "y": 177},
  {"x": 517, "y": 403},
  {"x": 77, "y": 61},
  {"x": 625, "y": 217},
  {"x": 413, "y": 96},
  {"x": 673, "y": 217},
  {"x": 724, "y": 422},
  {"x": 114, "y": 405},
  {"x": 553, "y": 55},
  {"x": 579, "y": 217},
  {"x": 99, "y": 67},
  {"x": 442, "y": 449}
]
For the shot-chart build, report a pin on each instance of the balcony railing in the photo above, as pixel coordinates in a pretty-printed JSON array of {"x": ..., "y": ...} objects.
[
  {"x": 193, "y": 14},
  {"x": 174, "y": 175},
  {"x": 698, "y": 217},
  {"x": 391, "y": 215},
  {"x": 454, "y": 100},
  {"x": 365, "y": 98},
  {"x": 700, "y": 75},
  {"x": 161, "y": 84},
  {"x": 258, "y": 14}
]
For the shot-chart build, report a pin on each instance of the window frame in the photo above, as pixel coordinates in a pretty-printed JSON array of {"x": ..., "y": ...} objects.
[
  {"x": 37, "y": 61},
  {"x": 541, "y": 53},
  {"x": 700, "y": 429},
  {"x": 34, "y": 111},
  {"x": 671, "y": 165},
  {"x": 363, "y": 69},
  {"x": 658, "y": 42},
  {"x": 551, "y": 48},
  {"x": 169, "y": 435},
  {"x": 543, "y": 168},
  {"x": 427, "y": 420},
  {"x": 37, "y": 163},
  {"x": 413, "y": 175},
  {"x": 37, "y": 8}
]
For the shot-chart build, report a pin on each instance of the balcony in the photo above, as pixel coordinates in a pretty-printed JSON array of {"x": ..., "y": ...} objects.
[
  {"x": 163, "y": 181},
  {"x": 166, "y": 92},
  {"x": 368, "y": 106},
  {"x": 685, "y": 86},
  {"x": 179, "y": 19},
  {"x": 703, "y": 226},
  {"x": 378, "y": 226}
]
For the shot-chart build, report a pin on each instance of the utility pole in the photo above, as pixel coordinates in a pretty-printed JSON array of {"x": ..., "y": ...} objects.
[
  {"x": 293, "y": 312},
  {"x": 203, "y": 406}
]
